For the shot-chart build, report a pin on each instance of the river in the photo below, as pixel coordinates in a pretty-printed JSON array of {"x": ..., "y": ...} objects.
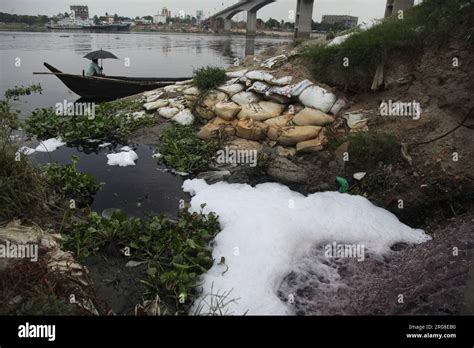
[
  {"x": 146, "y": 187},
  {"x": 141, "y": 54}
]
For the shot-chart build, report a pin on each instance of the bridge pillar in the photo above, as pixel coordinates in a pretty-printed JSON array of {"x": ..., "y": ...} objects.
[
  {"x": 227, "y": 25},
  {"x": 393, "y": 6},
  {"x": 304, "y": 19},
  {"x": 251, "y": 23}
]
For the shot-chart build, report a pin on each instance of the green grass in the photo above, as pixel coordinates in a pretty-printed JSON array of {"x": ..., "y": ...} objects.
[
  {"x": 184, "y": 151},
  {"x": 432, "y": 23},
  {"x": 209, "y": 77},
  {"x": 176, "y": 252},
  {"x": 21, "y": 185}
]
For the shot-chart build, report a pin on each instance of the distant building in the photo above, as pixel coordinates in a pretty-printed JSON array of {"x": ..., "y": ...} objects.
[
  {"x": 346, "y": 21},
  {"x": 159, "y": 18},
  {"x": 80, "y": 11},
  {"x": 143, "y": 21},
  {"x": 199, "y": 14},
  {"x": 107, "y": 19},
  {"x": 166, "y": 12}
]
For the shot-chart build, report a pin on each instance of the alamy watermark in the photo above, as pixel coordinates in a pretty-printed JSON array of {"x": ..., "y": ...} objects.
[
  {"x": 19, "y": 251},
  {"x": 66, "y": 108},
  {"x": 354, "y": 251},
  {"x": 237, "y": 157},
  {"x": 398, "y": 108}
]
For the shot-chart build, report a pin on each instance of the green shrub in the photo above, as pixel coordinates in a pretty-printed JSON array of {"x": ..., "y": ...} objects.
[
  {"x": 367, "y": 149},
  {"x": 184, "y": 151},
  {"x": 209, "y": 77},
  {"x": 432, "y": 23},
  {"x": 21, "y": 185}
]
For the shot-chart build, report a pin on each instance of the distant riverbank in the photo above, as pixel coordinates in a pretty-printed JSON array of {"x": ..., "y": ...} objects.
[{"x": 146, "y": 29}]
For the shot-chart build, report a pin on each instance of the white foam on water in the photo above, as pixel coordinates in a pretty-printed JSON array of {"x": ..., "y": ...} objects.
[
  {"x": 26, "y": 150},
  {"x": 267, "y": 229},
  {"x": 122, "y": 159},
  {"x": 50, "y": 145}
]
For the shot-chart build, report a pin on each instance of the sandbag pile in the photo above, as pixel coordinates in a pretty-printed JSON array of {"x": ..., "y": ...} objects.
[{"x": 255, "y": 105}]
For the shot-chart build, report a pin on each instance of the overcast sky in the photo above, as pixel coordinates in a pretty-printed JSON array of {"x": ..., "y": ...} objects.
[{"x": 364, "y": 9}]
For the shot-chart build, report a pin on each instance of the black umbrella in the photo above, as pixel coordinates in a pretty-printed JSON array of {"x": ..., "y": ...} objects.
[{"x": 100, "y": 54}]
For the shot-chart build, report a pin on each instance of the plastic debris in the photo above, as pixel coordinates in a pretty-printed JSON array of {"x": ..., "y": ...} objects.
[
  {"x": 359, "y": 176},
  {"x": 274, "y": 62},
  {"x": 343, "y": 184}
]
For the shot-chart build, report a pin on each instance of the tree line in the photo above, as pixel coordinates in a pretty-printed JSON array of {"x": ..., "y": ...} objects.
[{"x": 14, "y": 18}]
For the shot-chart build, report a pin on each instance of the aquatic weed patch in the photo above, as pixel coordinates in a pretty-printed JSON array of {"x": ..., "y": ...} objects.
[
  {"x": 110, "y": 120},
  {"x": 182, "y": 150},
  {"x": 67, "y": 183},
  {"x": 176, "y": 252}
]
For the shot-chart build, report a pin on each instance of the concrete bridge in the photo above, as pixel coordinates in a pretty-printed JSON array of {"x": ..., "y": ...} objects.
[{"x": 303, "y": 14}]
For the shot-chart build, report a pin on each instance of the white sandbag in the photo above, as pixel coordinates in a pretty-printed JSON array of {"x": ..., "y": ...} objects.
[
  {"x": 317, "y": 98},
  {"x": 194, "y": 91},
  {"x": 179, "y": 103},
  {"x": 282, "y": 81},
  {"x": 281, "y": 99},
  {"x": 260, "y": 76},
  {"x": 243, "y": 98},
  {"x": 185, "y": 82},
  {"x": 230, "y": 90},
  {"x": 155, "y": 105},
  {"x": 174, "y": 88},
  {"x": 337, "y": 107},
  {"x": 184, "y": 117},
  {"x": 259, "y": 87},
  {"x": 245, "y": 81},
  {"x": 154, "y": 97},
  {"x": 167, "y": 112},
  {"x": 152, "y": 92},
  {"x": 239, "y": 73},
  {"x": 260, "y": 111}
]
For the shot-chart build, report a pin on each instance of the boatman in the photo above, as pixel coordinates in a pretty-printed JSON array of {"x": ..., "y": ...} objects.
[{"x": 94, "y": 68}]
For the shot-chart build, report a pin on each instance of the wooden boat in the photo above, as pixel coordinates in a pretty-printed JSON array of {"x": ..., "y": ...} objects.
[{"x": 110, "y": 87}]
